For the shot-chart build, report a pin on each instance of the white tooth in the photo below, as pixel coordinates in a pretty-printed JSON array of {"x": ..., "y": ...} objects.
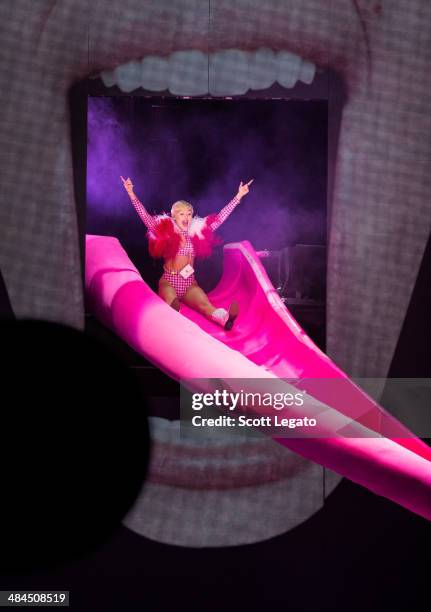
[
  {"x": 263, "y": 69},
  {"x": 108, "y": 78},
  {"x": 128, "y": 76},
  {"x": 307, "y": 72},
  {"x": 155, "y": 73},
  {"x": 188, "y": 74},
  {"x": 289, "y": 66},
  {"x": 229, "y": 73}
]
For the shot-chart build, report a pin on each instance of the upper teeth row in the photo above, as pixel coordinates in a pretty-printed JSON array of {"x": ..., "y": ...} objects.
[{"x": 228, "y": 72}]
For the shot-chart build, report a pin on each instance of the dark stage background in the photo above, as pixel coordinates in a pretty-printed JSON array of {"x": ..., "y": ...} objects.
[{"x": 199, "y": 150}]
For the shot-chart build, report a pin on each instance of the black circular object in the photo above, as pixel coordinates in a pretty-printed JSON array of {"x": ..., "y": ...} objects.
[{"x": 74, "y": 448}]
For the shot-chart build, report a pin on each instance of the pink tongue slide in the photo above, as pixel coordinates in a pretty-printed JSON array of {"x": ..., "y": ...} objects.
[{"x": 265, "y": 343}]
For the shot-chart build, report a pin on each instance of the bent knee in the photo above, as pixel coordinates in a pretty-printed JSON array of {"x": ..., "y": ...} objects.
[{"x": 167, "y": 292}]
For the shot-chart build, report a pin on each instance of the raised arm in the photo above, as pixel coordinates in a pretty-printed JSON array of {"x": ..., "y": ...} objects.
[
  {"x": 221, "y": 216},
  {"x": 139, "y": 207}
]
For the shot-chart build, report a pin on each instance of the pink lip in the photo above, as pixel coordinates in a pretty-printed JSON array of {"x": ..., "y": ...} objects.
[
  {"x": 314, "y": 40},
  {"x": 225, "y": 465}
]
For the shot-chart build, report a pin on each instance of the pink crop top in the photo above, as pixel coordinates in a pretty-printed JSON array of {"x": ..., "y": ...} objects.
[{"x": 187, "y": 249}]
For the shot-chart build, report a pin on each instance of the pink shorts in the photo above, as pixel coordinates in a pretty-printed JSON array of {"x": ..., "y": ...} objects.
[{"x": 180, "y": 284}]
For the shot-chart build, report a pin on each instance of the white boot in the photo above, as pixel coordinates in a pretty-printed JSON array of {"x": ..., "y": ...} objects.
[
  {"x": 224, "y": 318},
  {"x": 220, "y": 316}
]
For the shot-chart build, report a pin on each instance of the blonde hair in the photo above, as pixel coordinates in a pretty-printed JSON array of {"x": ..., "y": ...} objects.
[{"x": 180, "y": 204}]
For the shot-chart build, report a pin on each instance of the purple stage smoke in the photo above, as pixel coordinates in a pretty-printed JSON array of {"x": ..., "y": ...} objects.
[{"x": 199, "y": 151}]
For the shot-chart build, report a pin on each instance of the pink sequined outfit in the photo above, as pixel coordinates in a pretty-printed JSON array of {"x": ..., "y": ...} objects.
[{"x": 180, "y": 284}]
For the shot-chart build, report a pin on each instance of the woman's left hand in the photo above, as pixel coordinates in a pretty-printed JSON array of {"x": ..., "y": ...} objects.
[{"x": 243, "y": 189}]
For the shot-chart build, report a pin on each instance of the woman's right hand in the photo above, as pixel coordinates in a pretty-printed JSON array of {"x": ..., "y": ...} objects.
[{"x": 128, "y": 185}]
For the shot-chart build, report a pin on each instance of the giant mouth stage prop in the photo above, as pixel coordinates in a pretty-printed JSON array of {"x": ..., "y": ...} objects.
[{"x": 380, "y": 210}]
